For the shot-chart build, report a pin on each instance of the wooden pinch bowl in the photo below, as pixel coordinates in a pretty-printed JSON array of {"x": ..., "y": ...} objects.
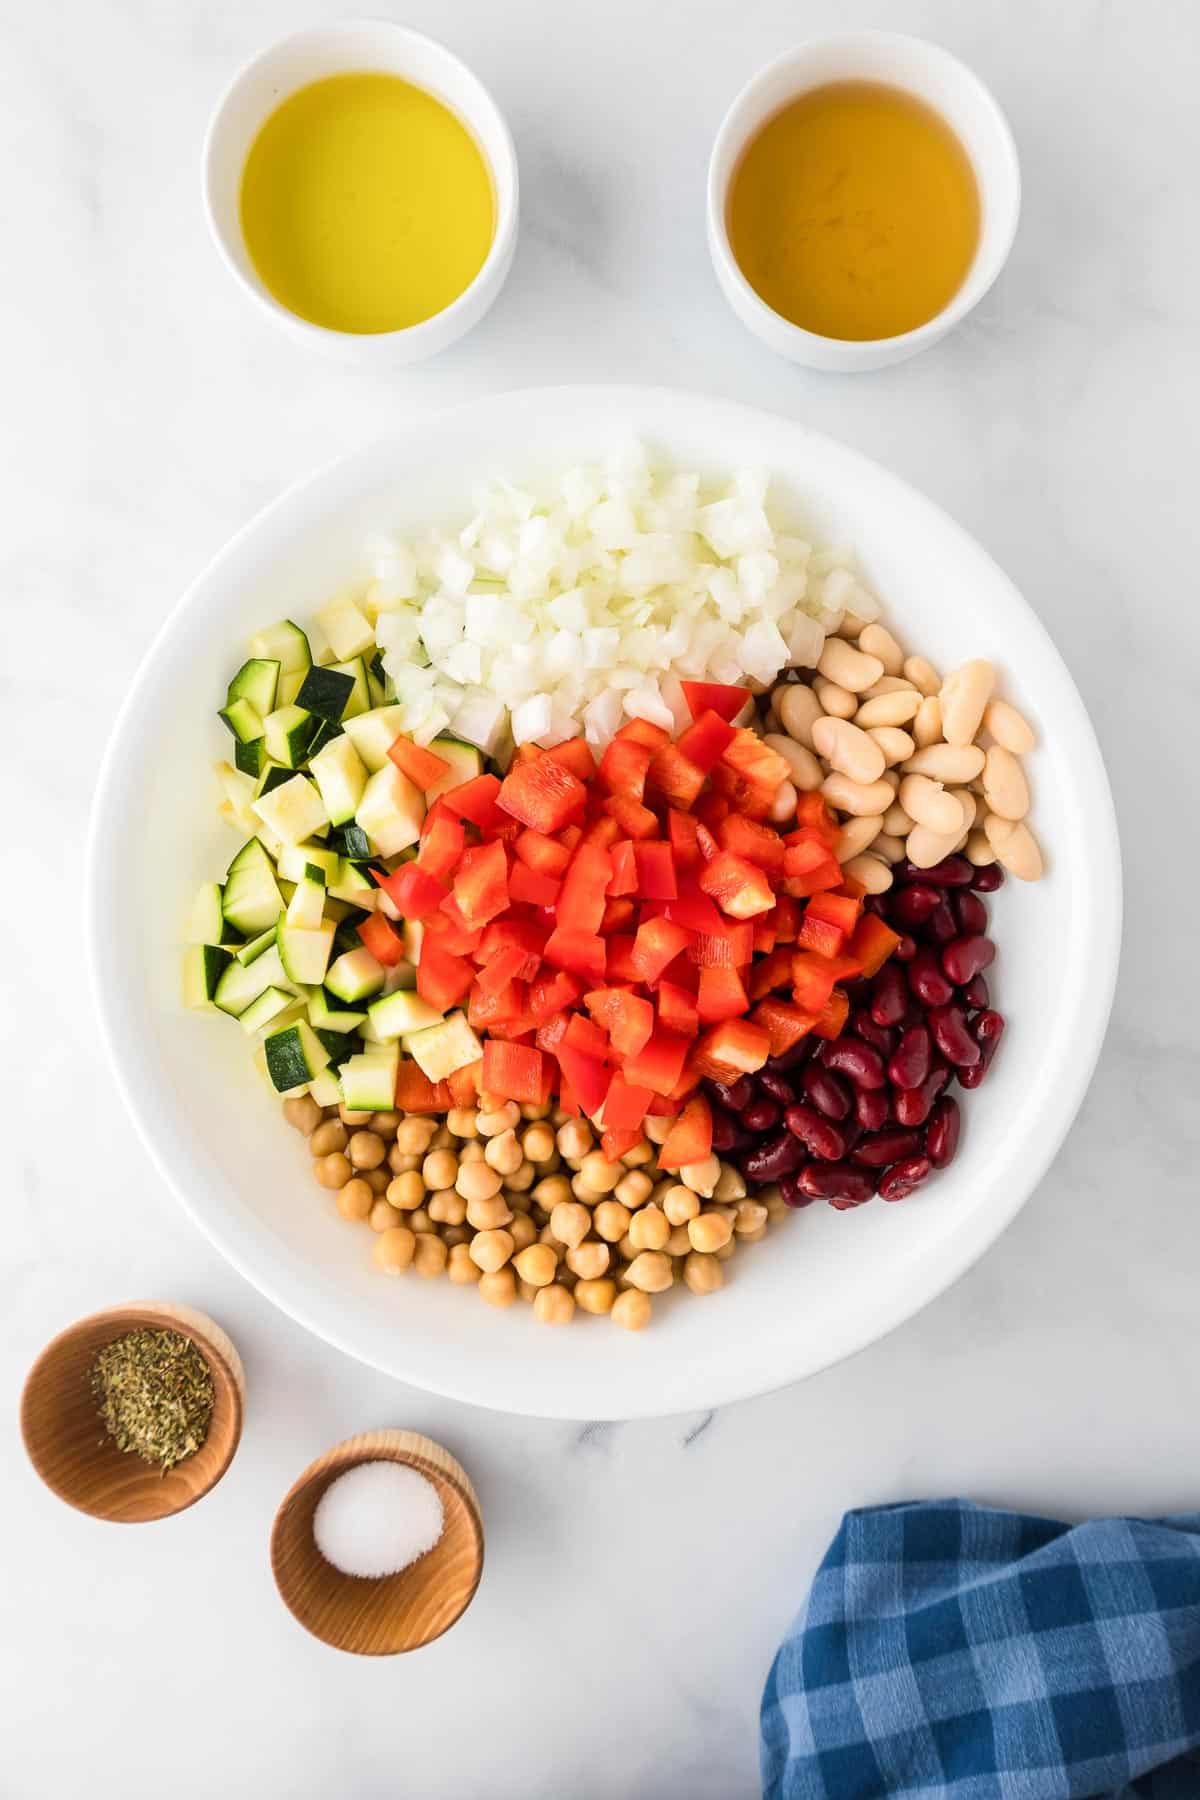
[
  {"x": 395, "y": 1612},
  {"x": 65, "y": 1436}
]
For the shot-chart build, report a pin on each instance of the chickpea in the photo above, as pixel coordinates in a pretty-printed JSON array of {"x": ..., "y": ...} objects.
[
  {"x": 546, "y": 1236},
  {"x": 627, "y": 1249},
  {"x": 471, "y": 1151},
  {"x": 520, "y": 1203},
  {"x": 351, "y": 1119},
  {"x": 656, "y": 1129},
  {"x": 731, "y": 1184},
  {"x": 535, "y": 1109},
  {"x": 355, "y": 1201},
  {"x": 570, "y": 1223},
  {"x": 522, "y": 1230},
  {"x": 752, "y": 1237},
  {"x": 596, "y": 1296},
  {"x": 332, "y": 1171},
  {"x": 589, "y": 1260},
  {"x": 632, "y": 1309},
  {"x": 365, "y": 1150},
  {"x": 488, "y": 1215},
  {"x": 649, "y": 1229},
  {"x": 498, "y": 1287},
  {"x": 703, "y": 1274},
  {"x": 442, "y": 1139},
  {"x": 651, "y": 1271},
  {"x": 526, "y": 1290},
  {"x": 633, "y": 1189},
  {"x": 727, "y": 1249},
  {"x": 558, "y": 1117},
  {"x": 415, "y": 1135},
  {"x": 552, "y": 1191},
  {"x": 490, "y": 1250},
  {"x": 703, "y": 1176},
  {"x": 393, "y": 1250},
  {"x": 386, "y": 1124},
  {"x": 447, "y": 1207},
  {"x": 491, "y": 1121},
  {"x": 611, "y": 1220},
  {"x": 440, "y": 1169},
  {"x": 772, "y": 1198},
  {"x": 461, "y": 1121},
  {"x": 538, "y": 1143},
  {"x": 455, "y": 1234},
  {"x": 303, "y": 1113},
  {"x": 567, "y": 1278},
  {"x": 460, "y": 1268},
  {"x": 574, "y": 1140},
  {"x": 537, "y": 1264},
  {"x": 680, "y": 1204},
  {"x": 709, "y": 1232},
  {"x": 522, "y": 1177},
  {"x": 554, "y": 1305},
  {"x": 420, "y": 1221},
  {"x": 330, "y": 1136},
  {"x": 382, "y": 1216},
  {"x": 378, "y": 1180},
  {"x": 679, "y": 1243},
  {"x": 475, "y": 1181},
  {"x": 638, "y": 1155},
  {"x": 429, "y": 1255},
  {"x": 400, "y": 1162},
  {"x": 406, "y": 1192},
  {"x": 600, "y": 1174},
  {"x": 750, "y": 1216},
  {"x": 503, "y": 1153}
]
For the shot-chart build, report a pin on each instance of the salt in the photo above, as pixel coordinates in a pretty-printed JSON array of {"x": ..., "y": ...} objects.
[{"x": 377, "y": 1518}]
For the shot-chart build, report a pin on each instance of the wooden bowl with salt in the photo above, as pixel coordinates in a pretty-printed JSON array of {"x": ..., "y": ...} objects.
[
  {"x": 388, "y": 1614},
  {"x": 65, "y": 1435}
]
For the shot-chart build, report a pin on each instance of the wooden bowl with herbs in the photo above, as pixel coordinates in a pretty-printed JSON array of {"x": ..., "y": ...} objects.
[{"x": 134, "y": 1413}]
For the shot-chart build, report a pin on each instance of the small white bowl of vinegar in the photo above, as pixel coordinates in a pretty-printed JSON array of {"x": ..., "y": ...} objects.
[
  {"x": 361, "y": 186},
  {"x": 863, "y": 196}
]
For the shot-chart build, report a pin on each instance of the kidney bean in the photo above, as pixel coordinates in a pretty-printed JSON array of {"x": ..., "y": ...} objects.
[
  {"x": 976, "y": 992},
  {"x": 903, "y": 1177},
  {"x": 724, "y": 1130},
  {"x": 872, "y": 1108},
  {"x": 760, "y": 1115},
  {"x": 819, "y": 1136},
  {"x": 952, "y": 871},
  {"x": 927, "y": 981},
  {"x": 850, "y": 1128},
  {"x": 857, "y": 990},
  {"x": 793, "y": 1193},
  {"x": 890, "y": 998},
  {"x": 885, "y": 1147},
  {"x": 940, "y": 927},
  {"x": 987, "y": 1027},
  {"x": 909, "y": 1064},
  {"x": 912, "y": 1106},
  {"x": 969, "y": 910},
  {"x": 874, "y": 903},
  {"x": 840, "y": 1183},
  {"x": 987, "y": 880},
  {"x": 880, "y": 1037},
  {"x": 780, "y": 1155},
  {"x": 967, "y": 957},
  {"x": 911, "y": 906},
  {"x": 734, "y": 1094},
  {"x": 861, "y": 1062},
  {"x": 790, "y": 1059},
  {"x": 942, "y": 1132},
  {"x": 952, "y": 1037},
  {"x": 827, "y": 1092},
  {"x": 776, "y": 1086},
  {"x": 905, "y": 950}
]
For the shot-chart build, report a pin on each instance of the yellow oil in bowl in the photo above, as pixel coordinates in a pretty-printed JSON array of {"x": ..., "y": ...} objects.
[{"x": 366, "y": 204}]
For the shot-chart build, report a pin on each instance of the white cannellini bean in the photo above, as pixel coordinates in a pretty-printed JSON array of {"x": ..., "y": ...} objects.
[
  {"x": 1015, "y": 846},
  {"x": 894, "y": 708},
  {"x": 1005, "y": 788},
  {"x": 1011, "y": 730},
  {"x": 887, "y": 684},
  {"x": 806, "y": 770},
  {"x": 929, "y": 804},
  {"x": 896, "y": 745},
  {"x": 922, "y": 674},
  {"x": 797, "y": 707},
  {"x": 874, "y": 875},
  {"x": 896, "y": 821},
  {"x": 855, "y": 835},
  {"x": 969, "y": 804},
  {"x": 847, "y": 667},
  {"x": 837, "y": 701},
  {"x": 956, "y": 763},
  {"x": 876, "y": 640},
  {"x": 783, "y": 806},
  {"x": 924, "y": 847},
  {"x": 927, "y": 722},
  {"x": 854, "y": 798},
  {"x": 979, "y": 851},
  {"x": 890, "y": 848},
  {"x": 852, "y": 626},
  {"x": 848, "y": 750},
  {"x": 964, "y": 694}
]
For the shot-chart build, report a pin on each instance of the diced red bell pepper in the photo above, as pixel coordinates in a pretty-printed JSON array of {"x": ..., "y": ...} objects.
[
  {"x": 576, "y": 755},
  {"x": 625, "y": 1106},
  {"x": 624, "y": 877},
  {"x": 770, "y": 973},
  {"x": 714, "y": 696},
  {"x": 675, "y": 778},
  {"x": 804, "y": 851},
  {"x": 568, "y": 1099},
  {"x": 839, "y": 909},
  {"x": 821, "y": 935},
  {"x": 681, "y": 832},
  {"x": 740, "y": 888},
  {"x": 677, "y": 1009},
  {"x": 423, "y": 767},
  {"x": 617, "y": 915},
  {"x": 579, "y": 952},
  {"x": 825, "y": 875},
  {"x": 851, "y": 889},
  {"x": 690, "y": 1137},
  {"x": 449, "y": 935},
  {"x": 643, "y": 731},
  {"x": 526, "y": 753},
  {"x": 785, "y": 1023},
  {"x": 620, "y": 961},
  {"x": 624, "y": 766},
  {"x": 589, "y": 1078},
  {"x": 581, "y": 903},
  {"x": 542, "y": 795},
  {"x": 738, "y": 1047},
  {"x": 474, "y": 800},
  {"x": 659, "y": 1063},
  {"x": 813, "y": 813},
  {"x": 656, "y": 871},
  {"x": 764, "y": 934},
  {"x": 545, "y": 854},
  {"x": 693, "y": 909},
  {"x": 584, "y": 1034},
  {"x": 756, "y": 843},
  {"x": 503, "y": 967},
  {"x": 464, "y": 1084},
  {"x": 415, "y": 1093},
  {"x": 514, "y": 1071},
  {"x": 785, "y": 919},
  {"x": 628, "y": 1018},
  {"x": 441, "y": 847},
  {"x": 553, "y": 993},
  {"x": 570, "y": 836},
  {"x": 486, "y": 1010},
  {"x": 657, "y": 943},
  {"x": 552, "y": 1031},
  {"x": 754, "y": 762},
  {"x": 720, "y": 996},
  {"x": 527, "y": 887},
  {"x": 602, "y": 831},
  {"x": 705, "y": 742},
  {"x": 711, "y": 808},
  {"x": 413, "y": 891},
  {"x": 872, "y": 943},
  {"x": 813, "y": 977},
  {"x": 384, "y": 943},
  {"x": 528, "y": 932},
  {"x": 481, "y": 883},
  {"x": 615, "y": 1143},
  {"x": 730, "y": 948},
  {"x": 706, "y": 842},
  {"x": 832, "y": 1020},
  {"x": 634, "y": 819}
]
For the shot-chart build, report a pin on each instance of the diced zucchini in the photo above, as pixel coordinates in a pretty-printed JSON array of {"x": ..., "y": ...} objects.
[
  {"x": 270, "y": 1003},
  {"x": 295, "y": 859},
  {"x": 253, "y": 950},
  {"x": 337, "y": 910},
  {"x": 348, "y": 631},
  {"x": 351, "y": 840},
  {"x": 288, "y": 732},
  {"x": 379, "y": 682},
  {"x": 359, "y": 701},
  {"x": 294, "y": 1055},
  {"x": 270, "y": 843},
  {"x": 237, "y": 791},
  {"x": 354, "y": 886},
  {"x": 464, "y": 759},
  {"x": 241, "y": 984},
  {"x": 355, "y": 975},
  {"x": 244, "y": 720},
  {"x": 203, "y": 966},
  {"x": 340, "y": 1048},
  {"x": 249, "y": 758},
  {"x": 400, "y": 975},
  {"x": 341, "y": 775},
  {"x": 398, "y": 1014},
  {"x": 373, "y": 734},
  {"x": 369, "y": 1080},
  {"x": 441, "y": 1049},
  {"x": 293, "y": 811},
  {"x": 326, "y": 1089},
  {"x": 290, "y": 685},
  {"x": 286, "y": 643},
  {"x": 413, "y": 934},
  {"x": 323, "y": 1017},
  {"x": 325, "y": 693},
  {"x": 251, "y": 900},
  {"x": 391, "y": 811},
  {"x": 306, "y": 908},
  {"x": 256, "y": 682},
  {"x": 272, "y": 775},
  {"x": 207, "y": 924},
  {"x": 304, "y": 953},
  {"x": 324, "y": 734}
]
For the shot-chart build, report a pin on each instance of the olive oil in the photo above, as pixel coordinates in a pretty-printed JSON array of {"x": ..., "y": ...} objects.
[
  {"x": 855, "y": 211},
  {"x": 366, "y": 204}
]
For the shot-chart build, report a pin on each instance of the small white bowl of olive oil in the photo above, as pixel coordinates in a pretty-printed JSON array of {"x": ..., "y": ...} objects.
[
  {"x": 361, "y": 185},
  {"x": 863, "y": 196}
]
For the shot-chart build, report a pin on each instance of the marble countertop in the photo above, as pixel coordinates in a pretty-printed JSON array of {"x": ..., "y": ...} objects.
[{"x": 639, "y": 1576}]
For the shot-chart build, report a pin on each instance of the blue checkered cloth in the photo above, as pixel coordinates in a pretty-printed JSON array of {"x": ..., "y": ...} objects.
[{"x": 952, "y": 1652}]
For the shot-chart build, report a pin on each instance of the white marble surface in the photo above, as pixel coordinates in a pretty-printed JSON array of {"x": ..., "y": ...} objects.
[{"x": 638, "y": 1576}]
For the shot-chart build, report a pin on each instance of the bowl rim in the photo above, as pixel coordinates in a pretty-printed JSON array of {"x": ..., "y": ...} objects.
[
  {"x": 437, "y": 331},
  {"x": 935, "y": 1273},
  {"x": 768, "y": 324}
]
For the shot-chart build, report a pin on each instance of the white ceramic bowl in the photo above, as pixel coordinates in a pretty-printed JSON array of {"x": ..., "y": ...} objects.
[
  {"x": 375, "y": 45},
  {"x": 823, "y": 1283},
  {"x": 945, "y": 84}
]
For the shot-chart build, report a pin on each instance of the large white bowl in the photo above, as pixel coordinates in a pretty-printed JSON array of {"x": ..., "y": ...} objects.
[{"x": 823, "y": 1284}]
